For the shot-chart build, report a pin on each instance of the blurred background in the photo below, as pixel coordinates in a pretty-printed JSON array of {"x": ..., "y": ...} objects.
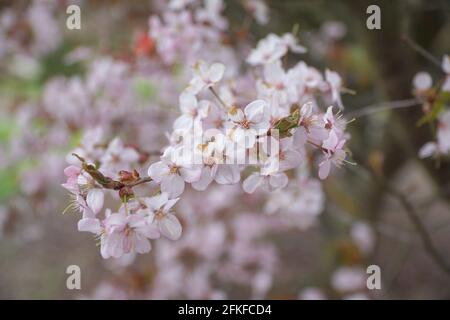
[{"x": 231, "y": 247}]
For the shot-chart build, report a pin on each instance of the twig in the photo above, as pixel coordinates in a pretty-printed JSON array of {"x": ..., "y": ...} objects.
[
  {"x": 427, "y": 241},
  {"x": 397, "y": 104},
  {"x": 218, "y": 98},
  {"x": 422, "y": 51},
  {"x": 107, "y": 182},
  {"x": 138, "y": 182}
]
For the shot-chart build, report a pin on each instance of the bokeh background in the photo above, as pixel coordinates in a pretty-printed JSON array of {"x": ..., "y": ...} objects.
[{"x": 358, "y": 224}]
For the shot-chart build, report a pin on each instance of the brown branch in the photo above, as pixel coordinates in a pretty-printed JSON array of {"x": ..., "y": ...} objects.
[
  {"x": 107, "y": 182},
  {"x": 427, "y": 241}
]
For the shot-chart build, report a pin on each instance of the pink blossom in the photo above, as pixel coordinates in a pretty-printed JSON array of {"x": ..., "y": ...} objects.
[{"x": 125, "y": 233}]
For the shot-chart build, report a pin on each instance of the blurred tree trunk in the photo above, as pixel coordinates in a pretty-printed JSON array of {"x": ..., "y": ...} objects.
[{"x": 396, "y": 64}]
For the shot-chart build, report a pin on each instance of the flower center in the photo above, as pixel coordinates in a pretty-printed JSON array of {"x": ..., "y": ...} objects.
[
  {"x": 159, "y": 214},
  {"x": 174, "y": 169},
  {"x": 245, "y": 124}
]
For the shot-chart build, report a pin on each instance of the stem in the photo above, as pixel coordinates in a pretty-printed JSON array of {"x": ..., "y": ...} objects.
[
  {"x": 397, "y": 104},
  {"x": 422, "y": 51},
  {"x": 316, "y": 145},
  {"x": 138, "y": 182},
  {"x": 218, "y": 98},
  {"x": 107, "y": 182}
]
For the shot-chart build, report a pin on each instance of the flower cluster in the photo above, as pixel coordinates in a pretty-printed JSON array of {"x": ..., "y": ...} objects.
[
  {"x": 258, "y": 125},
  {"x": 434, "y": 99}
]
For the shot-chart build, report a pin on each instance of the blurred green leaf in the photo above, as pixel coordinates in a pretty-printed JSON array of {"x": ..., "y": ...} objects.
[
  {"x": 8, "y": 183},
  {"x": 442, "y": 99},
  {"x": 144, "y": 88}
]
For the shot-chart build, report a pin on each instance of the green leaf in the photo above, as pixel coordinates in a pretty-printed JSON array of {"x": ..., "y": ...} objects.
[
  {"x": 144, "y": 88},
  {"x": 442, "y": 99}
]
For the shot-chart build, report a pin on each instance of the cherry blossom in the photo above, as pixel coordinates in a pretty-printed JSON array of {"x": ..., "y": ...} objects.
[
  {"x": 335, "y": 82},
  {"x": 442, "y": 144},
  {"x": 270, "y": 177},
  {"x": 173, "y": 171},
  {"x": 272, "y": 48},
  {"x": 205, "y": 76},
  {"x": 248, "y": 124},
  {"x": 125, "y": 233},
  {"x": 157, "y": 212}
]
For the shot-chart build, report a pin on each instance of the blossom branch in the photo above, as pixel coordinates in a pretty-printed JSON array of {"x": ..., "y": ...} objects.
[{"x": 107, "y": 182}]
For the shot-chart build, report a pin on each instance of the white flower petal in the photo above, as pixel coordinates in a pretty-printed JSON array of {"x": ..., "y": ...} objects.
[
  {"x": 215, "y": 72},
  {"x": 170, "y": 227},
  {"x": 89, "y": 225},
  {"x": 191, "y": 174},
  {"x": 324, "y": 169},
  {"x": 156, "y": 202},
  {"x": 279, "y": 180},
  {"x": 228, "y": 174},
  {"x": 252, "y": 182},
  {"x": 95, "y": 199},
  {"x": 158, "y": 171},
  {"x": 172, "y": 184},
  {"x": 255, "y": 111},
  {"x": 204, "y": 181}
]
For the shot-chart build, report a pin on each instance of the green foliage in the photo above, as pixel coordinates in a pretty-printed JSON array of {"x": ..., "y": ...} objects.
[
  {"x": 285, "y": 124},
  {"x": 144, "y": 88},
  {"x": 7, "y": 129},
  {"x": 8, "y": 184},
  {"x": 442, "y": 99}
]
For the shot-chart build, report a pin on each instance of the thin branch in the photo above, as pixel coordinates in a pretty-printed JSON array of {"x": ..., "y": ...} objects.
[
  {"x": 218, "y": 98},
  {"x": 374, "y": 108},
  {"x": 427, "y": 241},
  {"x": 422, "y": 51},
  {"x": 138, "y": 182}
]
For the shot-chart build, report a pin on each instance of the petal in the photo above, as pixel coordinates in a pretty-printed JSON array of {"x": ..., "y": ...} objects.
[
  {"x": 173, "y": 185},
  {"x": 279, "y": 180},
  {"x": 422, "y": 81},
  {"x": 188, "y": 102},
  {"x": 170, "y": 227},
  {"x": 215, "y": 72},
  {"x": 332, "y": 141},
  {"x": 324, "y": 169},
  {"x": 72, "y": 171},
  {"x": 252, "y": 182},
  {"x": 149, "y": 231},
  {"x": 245, "y": 138},
  {"x": 141, "y": 244},
  {"x": 191, "y": 174},
  {"x": 255, "y": 111},
  {"x": 427, "y": 150},
  {"x": 170, "y": 204},
  {"x": 89, "y": 225},
  {"x": 129, "y": 155},
  {"x": 156, "y": 202},
  {"x": 113, "y": 245},
  {"x": 292, "y": 159},
  {"x": 183, "y": 122},
  {"x": 204, "y": 181},
  {"x": 274, "y": 72},
  {"x": 158, "y": 171},
  {"x": 446, "y": 64},
  {"x": 95, "y": 199},
  {"x": 227, "y": 174},
  {"x": 235, "y": 114}
]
